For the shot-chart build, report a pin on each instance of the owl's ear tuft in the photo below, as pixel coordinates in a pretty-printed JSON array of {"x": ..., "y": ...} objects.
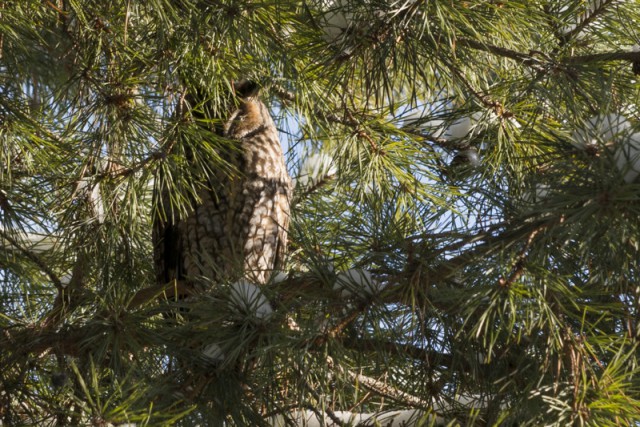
[{"x": 246, "y": 88}]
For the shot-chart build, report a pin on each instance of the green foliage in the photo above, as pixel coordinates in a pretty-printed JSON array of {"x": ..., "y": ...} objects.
[{"x": 500, "y": 294}]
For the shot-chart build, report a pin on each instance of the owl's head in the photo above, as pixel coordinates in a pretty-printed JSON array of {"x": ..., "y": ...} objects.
[{"x": 245, "y": 88}]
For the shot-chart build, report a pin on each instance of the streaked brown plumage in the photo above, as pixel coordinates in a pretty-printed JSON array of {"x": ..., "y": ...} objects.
[{"x": 238, "y": 227}]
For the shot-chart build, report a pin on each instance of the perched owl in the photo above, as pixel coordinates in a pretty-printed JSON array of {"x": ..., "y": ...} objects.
[{"x": 237, "y": 225}]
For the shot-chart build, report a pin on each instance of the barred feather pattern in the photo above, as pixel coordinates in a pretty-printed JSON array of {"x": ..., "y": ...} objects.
[{"x": 238, "y": 227}]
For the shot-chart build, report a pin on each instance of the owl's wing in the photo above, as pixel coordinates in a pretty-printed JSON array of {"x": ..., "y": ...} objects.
[
  {"x": 237, "y": 224},
  {"x": 165, "y": 236},
  {"x": 260, "y": 226},
  {"x": 182, "y": 235},
  {"x": 282, "y": 218}
]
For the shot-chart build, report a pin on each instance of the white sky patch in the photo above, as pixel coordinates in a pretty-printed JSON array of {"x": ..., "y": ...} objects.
[
  {"x": 601, "y": 129},
  {"x": 316, "y": 168},
  {"x": 614, "y": 131},
  {"x": 213, "y": 352},
  {"x": 247, "y": 298},
  {"x": 627, "y": 157},
  {"x": 358, "y": 281},
  {"x": 460, "y": 129},
  {"x": 336, "y": 20}
]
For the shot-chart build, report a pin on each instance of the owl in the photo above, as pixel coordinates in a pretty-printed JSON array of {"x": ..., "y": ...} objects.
[{"x": 236, "y": 226}]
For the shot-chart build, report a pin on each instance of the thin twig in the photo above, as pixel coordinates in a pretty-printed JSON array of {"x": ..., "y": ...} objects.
[
  {"x": 519, "y": 265},
  {"x": 586, "y": 20},
  {"x": 319, "y": 399},
  {"x": 169, "y": 291}
]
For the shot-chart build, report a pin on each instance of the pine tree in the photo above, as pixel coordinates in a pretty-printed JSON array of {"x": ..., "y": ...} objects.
[{"x": 464, "y": 237}]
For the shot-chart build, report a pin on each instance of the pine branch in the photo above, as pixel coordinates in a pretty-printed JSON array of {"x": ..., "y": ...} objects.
[
  {"x": 9, "y": 242},
  {"x": 383, "y": 389},
  {"x": 389, "y": 418},
  {"x": 519, "y": 265},
  {"x": 169, "y": 291},
  {"x": 68, "y": 298},
  {"x": 628, "y": 56}
]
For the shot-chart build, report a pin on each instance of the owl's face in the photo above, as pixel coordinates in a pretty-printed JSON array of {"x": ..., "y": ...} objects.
[{"x": 249, "y": 115}]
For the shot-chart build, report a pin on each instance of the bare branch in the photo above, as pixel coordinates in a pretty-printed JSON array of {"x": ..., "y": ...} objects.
[
  {"x": 385, "y": 390},
  {"x": 629, "y": 56}
]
